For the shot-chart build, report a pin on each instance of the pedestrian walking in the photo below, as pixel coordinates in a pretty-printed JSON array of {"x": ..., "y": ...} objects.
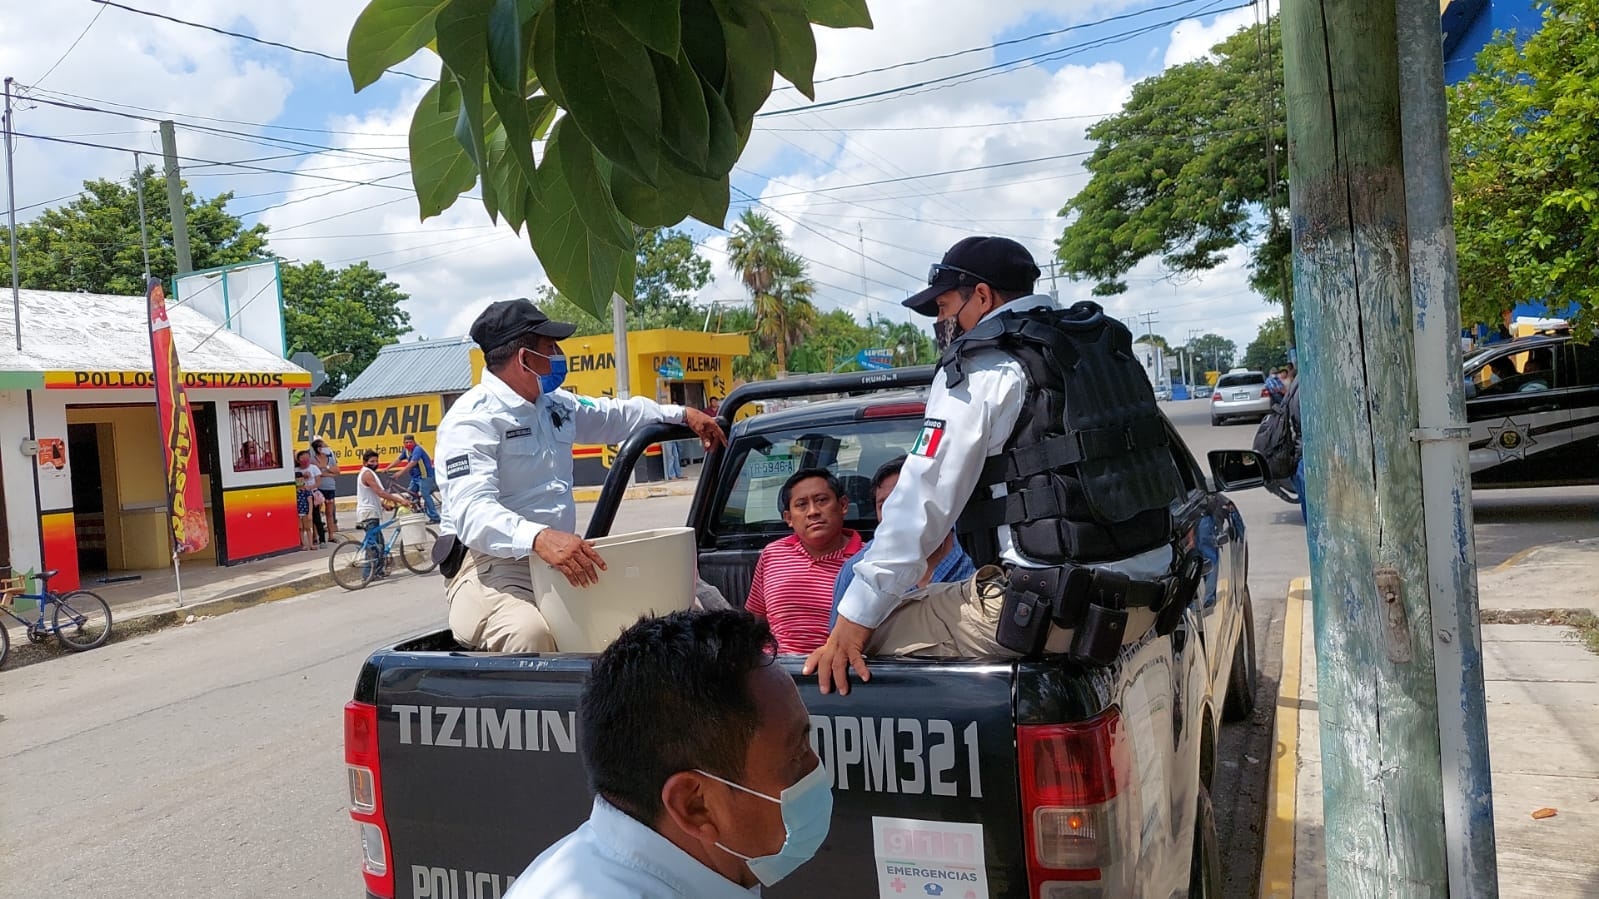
[{"x": 505, "y": 454}]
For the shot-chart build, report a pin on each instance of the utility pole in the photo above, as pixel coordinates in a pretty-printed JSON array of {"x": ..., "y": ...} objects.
[
  {"x": 619, "y": 342},
  {"x": 144, "y": 234},
  {"x": 860, "y": 234},
  {"x": 179, "y": 209},
  {"x": 11, "y": 205},
  {"x": 1407, "y": 804}
]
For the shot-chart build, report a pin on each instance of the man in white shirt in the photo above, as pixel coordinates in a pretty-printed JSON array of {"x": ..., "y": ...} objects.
[
  {"x": 697, "y": 748},
  {"x": 971, "y": 417},
  {"x": 504, "y": 464}
]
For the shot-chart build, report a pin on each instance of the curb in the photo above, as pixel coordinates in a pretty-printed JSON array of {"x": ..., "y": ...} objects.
[
  {"x": 640, "y": 491},
  {"x": 141, "y": 622},
  {"x": 1277, "y": 853}
]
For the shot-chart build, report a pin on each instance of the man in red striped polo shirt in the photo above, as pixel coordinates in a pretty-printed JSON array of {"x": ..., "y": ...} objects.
[{"x": 793, "y": 583}]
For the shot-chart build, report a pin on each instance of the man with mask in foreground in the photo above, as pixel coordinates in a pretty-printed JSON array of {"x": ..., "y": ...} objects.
[
  {"x": 1044, "y": 450},
  {"x": 504, "y": 463},
  {"x": 698, "y": 752}
]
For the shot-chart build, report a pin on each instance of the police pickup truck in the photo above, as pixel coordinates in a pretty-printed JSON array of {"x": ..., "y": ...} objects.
[{"x": 958, "y": 778}]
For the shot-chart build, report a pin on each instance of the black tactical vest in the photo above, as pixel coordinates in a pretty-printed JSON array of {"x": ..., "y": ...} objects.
[{"x": 1088, "y": 471}]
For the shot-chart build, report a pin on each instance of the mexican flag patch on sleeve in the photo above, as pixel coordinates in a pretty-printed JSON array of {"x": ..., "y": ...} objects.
[{"x": 928, "y": 440}]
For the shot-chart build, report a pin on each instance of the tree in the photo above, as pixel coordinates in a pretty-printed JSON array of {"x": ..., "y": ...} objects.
[
  {"x": 1213, "y": 351},
  {"x": 1187, "y": 171},
  {"x": 353, "y": 310},
  {"x": 779, "y": 288},
  {"x": 1269, "y": 348},
  {"x": 670, "y": 270},
  {"x": 1524, "y": 135},
  {"x": 645, "y": 107},
  {"x": 92, "y": 244},
  {"x": 1154, "y": 340}
]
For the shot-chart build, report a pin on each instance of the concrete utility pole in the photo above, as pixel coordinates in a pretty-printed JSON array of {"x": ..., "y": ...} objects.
[
  {"x": 11, "y": 204},
  {"x": 179, "y": 209},
  {"x": 1407, "y": 803}
]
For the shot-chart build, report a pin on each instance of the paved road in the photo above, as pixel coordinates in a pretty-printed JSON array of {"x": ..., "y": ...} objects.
[{"x": 207, "y": 760}]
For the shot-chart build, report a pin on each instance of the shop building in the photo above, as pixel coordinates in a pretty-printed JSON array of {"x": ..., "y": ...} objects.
[
  {"x": 81, "y": 461},
  {"x": 409, "y": 386}
]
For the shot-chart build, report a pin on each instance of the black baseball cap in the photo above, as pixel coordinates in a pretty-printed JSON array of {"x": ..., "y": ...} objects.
[
  {"x": 996, "y": 261},
  {"x": 506, "y": 320}
]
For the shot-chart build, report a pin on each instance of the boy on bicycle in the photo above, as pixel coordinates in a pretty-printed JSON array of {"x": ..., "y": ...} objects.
[{"x": 370, "y": 496}]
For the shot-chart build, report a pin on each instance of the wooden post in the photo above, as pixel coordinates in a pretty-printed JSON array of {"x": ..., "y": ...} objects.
[{"x": 1381, "y": 771}]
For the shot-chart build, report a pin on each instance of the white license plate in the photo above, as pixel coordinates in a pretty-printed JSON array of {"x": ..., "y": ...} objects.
[
  {"x": 1240, "y": 394},
  {"x": 782, "y": 466}
]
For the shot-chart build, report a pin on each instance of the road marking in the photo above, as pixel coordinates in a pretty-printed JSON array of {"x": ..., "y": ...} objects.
[
  {"x": 1518, "y": 558},
  {"x": 1277, "y": 856}
]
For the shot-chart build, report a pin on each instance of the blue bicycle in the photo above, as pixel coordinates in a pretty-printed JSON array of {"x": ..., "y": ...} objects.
[
  {"x": 80, "y": 619},
  {"x": 356, "y": 563}
]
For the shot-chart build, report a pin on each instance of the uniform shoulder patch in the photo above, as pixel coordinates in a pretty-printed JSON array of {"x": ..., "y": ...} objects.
[
  {"x": 932, "y": 434},
  {"x": 457, "y": 466}
]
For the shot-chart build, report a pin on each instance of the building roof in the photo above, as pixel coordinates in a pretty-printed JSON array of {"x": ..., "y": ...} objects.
[
  {"x": 421, "y": 366},
  {"x": 66, "y": 331}
]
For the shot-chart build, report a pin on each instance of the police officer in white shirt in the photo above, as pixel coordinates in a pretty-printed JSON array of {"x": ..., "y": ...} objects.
[
  {"x": 970, "y": 419},
  {"x": 698, "y": 752},
  {"x": 504, "y": 465}
]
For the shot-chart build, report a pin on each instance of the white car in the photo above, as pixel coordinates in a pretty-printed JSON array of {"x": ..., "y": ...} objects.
[{"x": 1239, "y": 394}]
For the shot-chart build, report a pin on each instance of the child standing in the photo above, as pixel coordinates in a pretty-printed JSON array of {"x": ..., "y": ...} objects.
[{"x": 306, "y": 478}]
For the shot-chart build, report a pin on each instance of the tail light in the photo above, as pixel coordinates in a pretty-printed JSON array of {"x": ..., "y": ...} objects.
[
  {"x": 1080, "y": 808},
  {"x": 1265, "y": 393},
  {"x": 366, "y": 797},
  {"x": 1215, "y": 396}
]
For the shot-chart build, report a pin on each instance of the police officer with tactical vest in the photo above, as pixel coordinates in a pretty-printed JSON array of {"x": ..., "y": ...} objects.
[{"x": 1043, "y": 449}]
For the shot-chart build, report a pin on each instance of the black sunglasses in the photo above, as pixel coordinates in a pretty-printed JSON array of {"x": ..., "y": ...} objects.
[{"x": 938, "y": 268}]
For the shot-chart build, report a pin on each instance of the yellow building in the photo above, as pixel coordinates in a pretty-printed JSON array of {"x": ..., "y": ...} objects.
[{"x": 409, "y": 386}]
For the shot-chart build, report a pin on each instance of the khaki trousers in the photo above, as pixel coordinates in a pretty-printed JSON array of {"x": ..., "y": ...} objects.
[
  {"x": 959, "y": 620},
  {"x": 492, "y": 606}
]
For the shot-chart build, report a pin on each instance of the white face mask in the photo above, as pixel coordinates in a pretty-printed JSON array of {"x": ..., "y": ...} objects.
[{"x": 807, "y": 814}]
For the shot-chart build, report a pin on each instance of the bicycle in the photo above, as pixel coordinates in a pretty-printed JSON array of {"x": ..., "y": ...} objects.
[
  {"x": 356, "y": 563},
  {"x": 81, "y": 620}
]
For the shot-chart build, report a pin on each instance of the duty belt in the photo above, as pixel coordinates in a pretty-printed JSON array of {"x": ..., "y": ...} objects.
[{"x": 1092, "y": 601}]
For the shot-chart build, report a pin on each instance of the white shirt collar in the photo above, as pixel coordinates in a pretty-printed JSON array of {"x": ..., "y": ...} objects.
[
  {"x": 492, "y": 383},
  {"x": 1020, "y": 304},
  {"x": 642, "y": 848}
]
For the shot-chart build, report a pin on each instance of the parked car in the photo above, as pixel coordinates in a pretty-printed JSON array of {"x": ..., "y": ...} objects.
[
  {"x": 1016, "y": 778},
  {"x": 1162, "y": 393},
  {"x": 1239, "y": 394},
  {"x": 1200, "y": 392},
  {"x": 1533, "y": 407}
]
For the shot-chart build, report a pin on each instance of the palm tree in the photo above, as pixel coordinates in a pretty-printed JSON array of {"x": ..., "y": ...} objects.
[{"x": 779, "y": 287}]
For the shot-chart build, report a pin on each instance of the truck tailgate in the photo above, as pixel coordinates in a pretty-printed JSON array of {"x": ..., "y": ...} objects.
[{"x": 481, "y": 773}]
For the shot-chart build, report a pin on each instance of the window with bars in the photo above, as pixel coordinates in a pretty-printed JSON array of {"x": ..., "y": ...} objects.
[{"x": 255, "y": 435}]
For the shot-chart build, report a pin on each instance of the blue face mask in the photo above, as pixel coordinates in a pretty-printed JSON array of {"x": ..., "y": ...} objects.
[
  {"x": 551, "y": 382},
  {"x": 807, "y": 813}
]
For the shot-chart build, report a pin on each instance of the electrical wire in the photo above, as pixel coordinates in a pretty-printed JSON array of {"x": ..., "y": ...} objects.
[{"x": 62, "y": 58}]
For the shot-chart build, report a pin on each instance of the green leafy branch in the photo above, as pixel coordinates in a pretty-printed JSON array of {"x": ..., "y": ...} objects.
[{"x": 643, "y": 107}]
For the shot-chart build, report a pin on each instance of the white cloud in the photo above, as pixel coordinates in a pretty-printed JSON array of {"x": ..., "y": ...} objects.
[{"x": 1191, "y": 39}]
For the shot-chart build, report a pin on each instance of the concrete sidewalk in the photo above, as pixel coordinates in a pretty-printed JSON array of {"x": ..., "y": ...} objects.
[{"x": 1542, "y": 687}]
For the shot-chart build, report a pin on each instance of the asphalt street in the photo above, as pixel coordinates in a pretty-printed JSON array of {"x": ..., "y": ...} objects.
[{"x": 207, "y": 760}]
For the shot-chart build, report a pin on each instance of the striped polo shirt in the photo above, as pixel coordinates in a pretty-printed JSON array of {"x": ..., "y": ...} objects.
[{"x": 793, "y": 591}]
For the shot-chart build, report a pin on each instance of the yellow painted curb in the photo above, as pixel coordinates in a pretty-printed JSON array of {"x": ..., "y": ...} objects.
[
  {"x": 1277, "y": 856},
  {"x": 1518, "y": 558}
]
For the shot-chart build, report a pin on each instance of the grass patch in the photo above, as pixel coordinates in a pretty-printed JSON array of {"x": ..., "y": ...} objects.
[{"x": 1583, "y": 624}]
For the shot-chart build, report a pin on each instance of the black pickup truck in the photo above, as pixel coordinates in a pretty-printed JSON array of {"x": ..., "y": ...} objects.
[{"x": 962, "y": 778}]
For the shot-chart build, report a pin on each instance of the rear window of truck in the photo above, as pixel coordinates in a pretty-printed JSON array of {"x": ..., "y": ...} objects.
[{"x": 852, "y": 451}]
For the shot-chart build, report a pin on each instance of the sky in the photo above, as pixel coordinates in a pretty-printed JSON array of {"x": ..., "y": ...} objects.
[{"x": 325, "y": 168}]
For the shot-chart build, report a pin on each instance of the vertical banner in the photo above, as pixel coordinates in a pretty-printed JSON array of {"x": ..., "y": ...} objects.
[{"x": 190, "y": 531}]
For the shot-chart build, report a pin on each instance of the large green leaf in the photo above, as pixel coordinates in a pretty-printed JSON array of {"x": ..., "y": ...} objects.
[
  {"x": 506, "y": 53},
  {"x": 440, "y": 169},
  {"x": 711, "y": 200},
  {"x": 796, "y": 47},
  {"x": 650, "y": 206},
  {"x": 569, "y": 199},
  {"x": 386, "y": 33},
  {"x": 726, "y": 142},
  {"x": 510, "y": 188},
  {"x": 513, "y": 112},
  {"x": 461, "y": 27},
  {"x": 750, "y": 58},
  {"x": 839, "y": 13},
  {"x": 684, "y": 117},
  {"x": 703, "y": 42},
  {"x": 653, "y": 22},
  {"x": 610, "y": 86},
  {"x": 544, "y": 68}
]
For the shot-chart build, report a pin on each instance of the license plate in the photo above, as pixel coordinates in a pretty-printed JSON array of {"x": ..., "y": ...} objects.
[
  {"x": 783, "y": 466},
  {"x": 1240, "y": 394}
]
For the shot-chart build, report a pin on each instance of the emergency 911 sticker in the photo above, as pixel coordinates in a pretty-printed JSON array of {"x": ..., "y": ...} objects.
[
  {"x": 917, "y": 859},
  {"x": 928, "y": 440}
]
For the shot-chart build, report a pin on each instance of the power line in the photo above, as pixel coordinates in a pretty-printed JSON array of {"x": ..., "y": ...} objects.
[
  {"x": 947, "y": 81},
  {"x": 998, "y": 44},
  {"x": 74, "y": 45},
  {"x": 183, "y": 117},
  {"x": 975, "y": 168},
  {"x": 1006, "y": 124},
  {"x": 245, "y": 37}
]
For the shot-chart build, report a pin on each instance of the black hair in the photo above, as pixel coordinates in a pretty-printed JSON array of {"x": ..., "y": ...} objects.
[
  {"x": 369, "y": 454},
  {"x": 410, "y": 437},
  {"x": 500, "y": 356},
  {"x": 1004, "y": 296},
  {"x": 671, "y": 694},
  {"x": 887, "y": 470},
  {"x": 833, "y": 483}
]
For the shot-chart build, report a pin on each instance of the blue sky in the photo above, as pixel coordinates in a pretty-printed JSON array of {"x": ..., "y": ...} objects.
[{"x": 817, "y": 173}]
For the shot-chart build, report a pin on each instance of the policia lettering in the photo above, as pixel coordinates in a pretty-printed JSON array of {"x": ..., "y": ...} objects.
[{"x": 1089, "y": 478}]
